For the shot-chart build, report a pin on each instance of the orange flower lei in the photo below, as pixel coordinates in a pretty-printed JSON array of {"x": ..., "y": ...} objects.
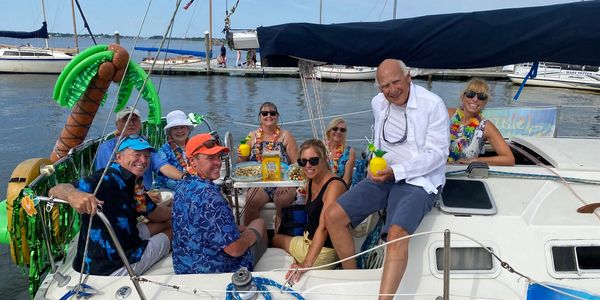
[
  {"x": 179, "y": 156},
  {"x": 270, "y": 145},
  {"x": 334, "y": 161}
]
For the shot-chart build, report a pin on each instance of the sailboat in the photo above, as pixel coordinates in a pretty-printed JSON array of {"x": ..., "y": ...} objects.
[
  {"x": 30, "y": 59},
  {"x": 525, "y": 232}
]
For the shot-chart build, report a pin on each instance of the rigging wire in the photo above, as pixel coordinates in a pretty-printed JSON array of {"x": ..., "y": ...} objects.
[{"x": 121, "y": 133}]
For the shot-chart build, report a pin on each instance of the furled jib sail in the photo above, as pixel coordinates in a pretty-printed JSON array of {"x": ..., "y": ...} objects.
[{"x": 41, "y": 33}]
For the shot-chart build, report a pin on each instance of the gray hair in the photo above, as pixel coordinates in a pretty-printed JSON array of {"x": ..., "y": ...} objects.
[{"x": 405, "y": 70}]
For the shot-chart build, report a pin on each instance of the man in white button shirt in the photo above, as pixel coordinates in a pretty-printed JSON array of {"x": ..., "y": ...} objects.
[{"x": 411, "y": 125}]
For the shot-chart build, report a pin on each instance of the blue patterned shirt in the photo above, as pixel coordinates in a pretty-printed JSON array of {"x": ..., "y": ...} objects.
[
  {"x": 116, "y": 191},
  {"x": 203, "y": 225},
  {"x": 166, "y": 153}
]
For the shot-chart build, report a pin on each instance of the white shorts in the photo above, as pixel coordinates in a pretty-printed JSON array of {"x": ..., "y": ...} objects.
[{"x": 158, "y": 247}]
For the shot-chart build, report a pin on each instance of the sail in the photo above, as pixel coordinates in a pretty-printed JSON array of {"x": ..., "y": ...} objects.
[
  {"x": 41, "y": 33},
  {"x": 564, "y": 33},
  {"x": 176, "y": 51}
]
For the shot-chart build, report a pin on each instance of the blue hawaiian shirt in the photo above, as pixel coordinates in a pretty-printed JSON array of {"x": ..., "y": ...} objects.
[
  {"x": 116, "y": 191},
  {"x": 203, "y": 225},
  {"x": 105, "y": 150},
  {"x": 166, "y": 154}
]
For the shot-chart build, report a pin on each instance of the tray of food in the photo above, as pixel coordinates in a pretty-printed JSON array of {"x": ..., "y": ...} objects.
[
  {"x": 247, "y": 171},
  {"x": 294, "y": 172}
]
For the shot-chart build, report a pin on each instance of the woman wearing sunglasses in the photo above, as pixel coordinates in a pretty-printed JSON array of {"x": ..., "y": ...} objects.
[
  {"x": 315, "y": 247},
  {"x": 340, "y": 157},
  {"x": 469, "y": 130},
  {"x": 269, "y": 137}
]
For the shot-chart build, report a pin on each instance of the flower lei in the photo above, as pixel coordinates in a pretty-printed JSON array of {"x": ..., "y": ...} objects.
[
  {"x": 335, "y": 158},
  {"x": 461, "y": 134},
  {"x": 180, "y": 157},
  {"x": 139, "y": 196},
  {"x": 270, "y": 145}
]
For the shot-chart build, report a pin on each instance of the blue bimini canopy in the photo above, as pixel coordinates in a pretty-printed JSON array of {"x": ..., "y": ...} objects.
[
  {"x": 176, "y": 51},
  {"x": 41, "y": 33},
  {"x": 564, "y": 33}
]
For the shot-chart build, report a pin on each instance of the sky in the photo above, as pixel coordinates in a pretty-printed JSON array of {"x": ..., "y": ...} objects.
[{"x": 126, "y": 16}]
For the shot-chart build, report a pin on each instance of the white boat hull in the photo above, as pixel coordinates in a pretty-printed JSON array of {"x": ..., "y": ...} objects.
[
  {"x": 559, "y": 78},
  {"x": 531, "y": 214},
  {"x": 43, "y": 61},
  {"x": 342, "y": 73}
]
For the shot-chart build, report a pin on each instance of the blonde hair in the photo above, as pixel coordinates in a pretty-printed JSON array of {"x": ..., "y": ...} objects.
[
  {"x": 318, "y": 146},
  {"x": 335, "y": 122},
  {"x": 477, "y": 85}
]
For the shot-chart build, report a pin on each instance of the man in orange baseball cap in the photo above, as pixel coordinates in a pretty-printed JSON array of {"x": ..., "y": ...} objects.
[{"x": 206, "y": 238}]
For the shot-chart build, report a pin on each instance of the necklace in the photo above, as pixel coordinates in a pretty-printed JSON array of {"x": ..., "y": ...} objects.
[
  {"x": 461, "y": 134},
  {"x": 334, "y": 156},
  {"x": 178, "y": 151},
  {"x": 268, "y": 145},
  {"x": 139, "y": 198}
]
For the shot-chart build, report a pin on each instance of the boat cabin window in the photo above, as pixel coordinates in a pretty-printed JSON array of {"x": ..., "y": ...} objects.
[
  {"x": 467, "y": 197},
  {"x": 568, "y": 259},
  {"x": 465, "y": 259},
  {"x": 27, "y": 53},
  {"x": 574, "y": 259},
  {"x": 11, "y": 53}
]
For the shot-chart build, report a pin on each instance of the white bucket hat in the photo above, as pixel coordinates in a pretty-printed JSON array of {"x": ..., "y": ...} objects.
[{"x": 177, "y": 118}]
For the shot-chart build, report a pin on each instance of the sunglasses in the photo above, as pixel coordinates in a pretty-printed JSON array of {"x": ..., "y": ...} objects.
[
  {"x": 313, "y": 161},
  {"x": 480, "y": 96},
  {"x": 265, "y": 113},
  {"x": 208, "y": 144},
  {"x": 342, "y": 129},
  {"x": 135, "y": 137}
]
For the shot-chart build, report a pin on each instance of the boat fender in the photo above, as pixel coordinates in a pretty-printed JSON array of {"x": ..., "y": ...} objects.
[{"x": 21, "y": 176}]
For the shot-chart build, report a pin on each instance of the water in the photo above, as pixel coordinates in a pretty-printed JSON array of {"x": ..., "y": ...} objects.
[{"x": 33, "y": 120}]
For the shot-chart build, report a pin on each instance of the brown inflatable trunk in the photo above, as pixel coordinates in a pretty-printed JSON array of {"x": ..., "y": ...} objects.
[
  {"x": 84, "y": 111},
  {"x": 80, "y": 120}
]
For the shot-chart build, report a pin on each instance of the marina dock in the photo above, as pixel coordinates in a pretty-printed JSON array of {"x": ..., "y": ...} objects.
[{"x": 491, "y": 73}]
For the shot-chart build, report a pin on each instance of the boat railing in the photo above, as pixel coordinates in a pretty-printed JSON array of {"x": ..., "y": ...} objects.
[
  {"x": 62, "y": 220},
  {"x": 50, "y": 201}
]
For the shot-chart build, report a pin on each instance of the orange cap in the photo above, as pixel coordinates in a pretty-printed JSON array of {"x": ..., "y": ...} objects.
[{"x": 204, "y": 143}]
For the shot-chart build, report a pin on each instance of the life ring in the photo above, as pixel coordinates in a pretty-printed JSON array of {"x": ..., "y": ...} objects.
[{"x": 21, "y": 176}]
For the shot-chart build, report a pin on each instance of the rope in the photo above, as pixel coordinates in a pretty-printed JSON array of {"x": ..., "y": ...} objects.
[
  {"x": 261, "y": 287},
  {"x": 304, "y": 68},
  {"x": 224, "y": 120},
  {"x": 121, "y": 134}
]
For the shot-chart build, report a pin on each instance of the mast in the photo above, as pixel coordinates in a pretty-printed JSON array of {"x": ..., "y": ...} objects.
[
  {"x": 321, "y": 12},
  {"x": 74, "y": 25},
  {"x": 394, "y": 16},
  {"x": 209, "y": 54},
  {"x": 44, "y": 13}
]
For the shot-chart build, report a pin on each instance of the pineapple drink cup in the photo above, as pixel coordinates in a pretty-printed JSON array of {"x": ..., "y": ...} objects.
[
  {"x": 377, "y": 163},
  {"x": 244, "y": 147}
]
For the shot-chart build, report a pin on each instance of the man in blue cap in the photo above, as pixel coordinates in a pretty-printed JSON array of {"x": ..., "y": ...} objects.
[{"x": 122, "y": 199}]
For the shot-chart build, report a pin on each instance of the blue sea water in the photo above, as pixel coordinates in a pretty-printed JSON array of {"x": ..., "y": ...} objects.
[{"x": 32, "y": 120}]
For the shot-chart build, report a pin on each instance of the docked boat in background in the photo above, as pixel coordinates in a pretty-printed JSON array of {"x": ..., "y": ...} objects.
[
  {"x": 559, "y": 75},
  {"x": 344, "y": 73},
  {"x": 29, "y": 59},
  {"x": 185, "y": 59}
]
